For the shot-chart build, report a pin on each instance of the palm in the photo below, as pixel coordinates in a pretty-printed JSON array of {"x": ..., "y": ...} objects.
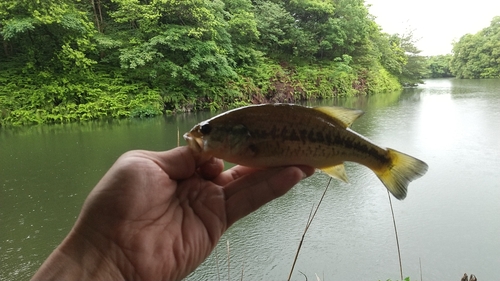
[{"x": 163, "y": 220}]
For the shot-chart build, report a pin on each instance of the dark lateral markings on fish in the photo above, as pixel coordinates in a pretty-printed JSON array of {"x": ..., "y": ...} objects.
[{"x": 271, "y": 135}]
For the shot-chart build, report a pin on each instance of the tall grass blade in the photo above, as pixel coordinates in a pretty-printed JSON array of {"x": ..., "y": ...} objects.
[
  {"x": 178, "y": 137},
  {"x": 228, "y": 262},
  {"x": 397, "y": 239},
  {"x": 305, "y": 276},
  {"x": 242, "y": 270},
  {"x": 309, "y": 221},
  {"x": 217, "y": 263},
  {"x": 420, "y": 264}
]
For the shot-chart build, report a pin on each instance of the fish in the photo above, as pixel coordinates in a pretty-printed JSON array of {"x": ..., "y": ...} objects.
[{"x": 273, "y": 135}]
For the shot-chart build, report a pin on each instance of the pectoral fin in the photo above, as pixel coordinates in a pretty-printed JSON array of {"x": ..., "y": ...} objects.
[{"x": 337, "y": 171}]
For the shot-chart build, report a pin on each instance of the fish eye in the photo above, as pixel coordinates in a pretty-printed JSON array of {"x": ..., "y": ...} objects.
[{"x": 205, "y": 129}]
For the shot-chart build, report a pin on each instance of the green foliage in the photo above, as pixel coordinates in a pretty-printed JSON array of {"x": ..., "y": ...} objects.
[
  {"x": 242, "y": 28},
  {"x": 439, "y": 66},
  {"x": 15, "y": 26},
  {"x": 313, "y": 30},
  {"x": 69, "y": 60},
  {"x": 274, "y": 25},
  {"x": 382, "y": 81},
  {"x": 478, "y": 55},
  {"x": 146, "y": 105},
  {"x": 414, "y": 69},
  {"x": 183, "y": 46},
  {"x": 326, "y": 81},
  {"x": 392, "y": 55},
  {"x": 51, "y": 99},
  {"x": 47, "y": 35}
]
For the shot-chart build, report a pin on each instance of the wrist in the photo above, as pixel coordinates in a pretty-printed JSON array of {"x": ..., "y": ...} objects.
[{"x": 77, "y": 258}]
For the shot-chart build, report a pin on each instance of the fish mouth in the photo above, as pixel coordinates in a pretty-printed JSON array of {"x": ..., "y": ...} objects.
[{"x": 194, "y": 139}]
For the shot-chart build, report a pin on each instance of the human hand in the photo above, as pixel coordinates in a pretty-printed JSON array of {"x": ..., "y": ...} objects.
[{"x": 156, "y": 216}]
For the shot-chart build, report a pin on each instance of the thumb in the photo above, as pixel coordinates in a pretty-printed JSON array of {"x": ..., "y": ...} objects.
[{"x": 179, "y": 163}]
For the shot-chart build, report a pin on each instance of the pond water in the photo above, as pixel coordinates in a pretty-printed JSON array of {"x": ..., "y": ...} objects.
[{"x": 449, "y": 223}]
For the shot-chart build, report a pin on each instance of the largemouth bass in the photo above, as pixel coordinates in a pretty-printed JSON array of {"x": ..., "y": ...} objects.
[{"x": 271, "y": 135}]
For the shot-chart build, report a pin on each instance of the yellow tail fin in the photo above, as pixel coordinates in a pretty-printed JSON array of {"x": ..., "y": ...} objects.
[{"x": 402, "y": 170}]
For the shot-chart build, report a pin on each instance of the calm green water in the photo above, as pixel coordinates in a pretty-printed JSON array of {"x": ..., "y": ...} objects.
[{"x": 449, "y": 220}]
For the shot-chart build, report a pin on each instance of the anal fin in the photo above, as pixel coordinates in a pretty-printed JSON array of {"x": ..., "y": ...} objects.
[{"x": 337, "y": 171}]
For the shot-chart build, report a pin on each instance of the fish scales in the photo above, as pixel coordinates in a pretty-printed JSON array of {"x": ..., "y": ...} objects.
[
  {"x": 273, "y": 134},
  {"x": 282, "y": 134}
]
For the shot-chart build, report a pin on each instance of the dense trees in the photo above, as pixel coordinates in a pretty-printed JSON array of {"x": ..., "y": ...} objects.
[
  {"x": 67, "y": 60},
  {"x": 413, "y": 70},
  {"x": 478, "y": 55},
  {"x": 439, "y": 66},
  {"x": 474, "y": 56}
]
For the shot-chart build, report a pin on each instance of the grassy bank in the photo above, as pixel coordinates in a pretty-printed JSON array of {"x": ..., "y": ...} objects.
[{"x": 47, "y": 97}]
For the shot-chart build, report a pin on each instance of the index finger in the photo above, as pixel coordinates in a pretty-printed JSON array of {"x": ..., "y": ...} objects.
[
  {"x": 251, "y": 191},
  {"x": 233, "y": 174},
  {"x": 178, "y": 163}
]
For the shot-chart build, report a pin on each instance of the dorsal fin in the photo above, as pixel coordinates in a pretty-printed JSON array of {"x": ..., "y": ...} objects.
[{"x": 345, "y": 116}]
